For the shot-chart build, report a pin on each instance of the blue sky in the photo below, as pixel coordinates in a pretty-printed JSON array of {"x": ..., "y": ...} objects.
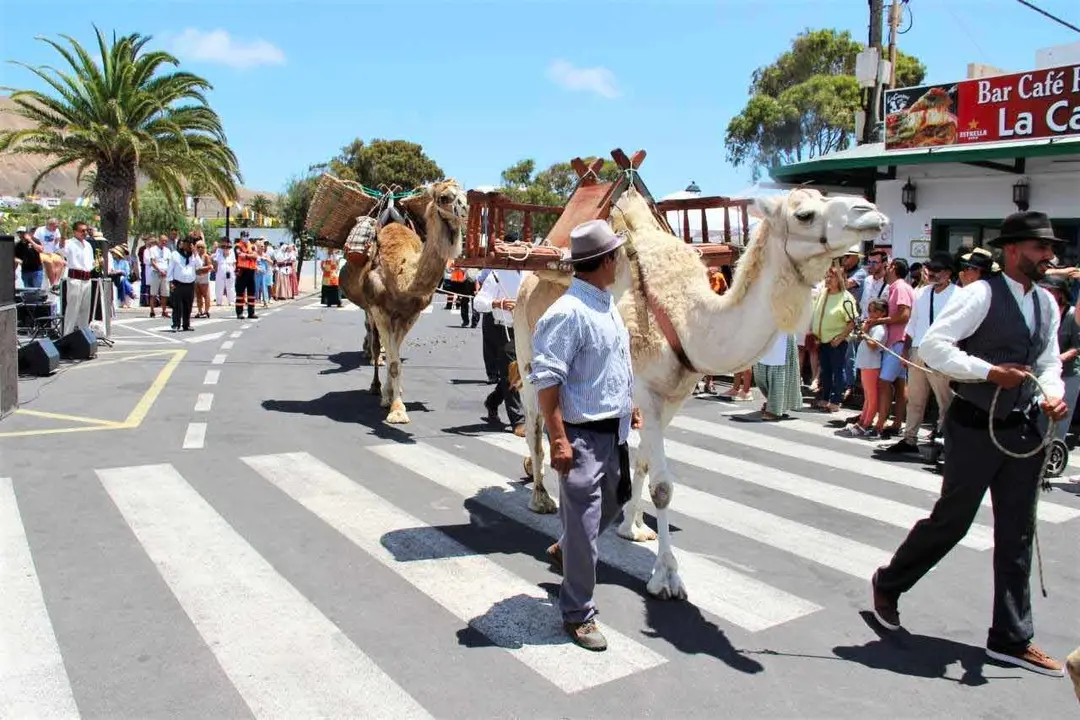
[{"x": 483, "y": 84}]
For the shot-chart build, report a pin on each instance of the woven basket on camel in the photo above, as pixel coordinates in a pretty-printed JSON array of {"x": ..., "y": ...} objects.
[{"x": 334, "y": 209}]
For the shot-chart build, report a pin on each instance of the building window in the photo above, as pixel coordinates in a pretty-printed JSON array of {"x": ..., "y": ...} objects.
[{"x": 952, "y": 235}]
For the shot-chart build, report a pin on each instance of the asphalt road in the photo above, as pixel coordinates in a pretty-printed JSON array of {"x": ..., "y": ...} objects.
[{"x": 219, "y": 524}]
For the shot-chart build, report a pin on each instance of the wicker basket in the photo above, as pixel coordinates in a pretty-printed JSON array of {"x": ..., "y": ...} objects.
[{"x": 334, "y": 209}]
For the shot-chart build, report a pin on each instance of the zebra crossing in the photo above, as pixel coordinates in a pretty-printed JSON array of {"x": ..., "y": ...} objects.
[{"x": 287, "y": 653}]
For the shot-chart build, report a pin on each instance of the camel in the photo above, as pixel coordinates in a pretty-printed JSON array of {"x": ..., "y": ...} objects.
[
  {"x": 799, "y": 235},
  {"x": 399, "y": 281}
]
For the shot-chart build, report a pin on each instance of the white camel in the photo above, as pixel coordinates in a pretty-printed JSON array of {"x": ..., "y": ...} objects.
[{"x": 800, "y": 233}]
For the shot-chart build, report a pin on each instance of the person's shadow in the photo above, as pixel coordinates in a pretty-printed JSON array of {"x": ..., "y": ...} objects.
[{"x": 916, "y": 655}]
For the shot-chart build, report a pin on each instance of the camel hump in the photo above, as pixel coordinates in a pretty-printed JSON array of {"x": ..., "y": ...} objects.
[{"x": 397, "y": 244}]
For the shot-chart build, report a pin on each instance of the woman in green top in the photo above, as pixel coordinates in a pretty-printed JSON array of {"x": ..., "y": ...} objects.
[{"x": 831, "y": 325}]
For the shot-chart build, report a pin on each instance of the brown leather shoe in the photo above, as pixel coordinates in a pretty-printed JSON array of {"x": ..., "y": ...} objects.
[
  {"x": 586, "y": 635},
  {"x": 1030, "y": 658},
  {"x": 884, "y": 606}
]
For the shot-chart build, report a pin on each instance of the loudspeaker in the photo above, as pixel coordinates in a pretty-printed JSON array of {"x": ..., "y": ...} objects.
[
  {"x": 39, "y": 357},
  {"x": 78, "y": 345}
]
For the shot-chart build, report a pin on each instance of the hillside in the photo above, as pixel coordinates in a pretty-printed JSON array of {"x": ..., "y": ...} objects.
[{"x": 18, "y": 171}]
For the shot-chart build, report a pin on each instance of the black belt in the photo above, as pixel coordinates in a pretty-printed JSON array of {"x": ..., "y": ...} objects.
[
  {"x": 969, "y": 415},
  {"x": 78, "y": 274},
  {"x": 609, "y": 426}
]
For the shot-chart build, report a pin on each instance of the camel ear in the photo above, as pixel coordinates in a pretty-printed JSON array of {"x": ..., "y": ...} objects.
[{"x": 767, "y": 206}]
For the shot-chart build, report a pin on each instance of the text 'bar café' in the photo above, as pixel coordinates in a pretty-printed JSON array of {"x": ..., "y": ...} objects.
[{"x": 957, "y": 158}]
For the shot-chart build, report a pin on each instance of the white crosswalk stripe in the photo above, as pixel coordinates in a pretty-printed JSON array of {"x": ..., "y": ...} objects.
[
  {"x": 807, "y": 452},
  {"x": 252, "y": 619},
  {"x": 33, "y": 682},
  {"x": 252, "y": 614},
  {"x": 468, "y": 585},
  {"x": 742, "y": 600}
]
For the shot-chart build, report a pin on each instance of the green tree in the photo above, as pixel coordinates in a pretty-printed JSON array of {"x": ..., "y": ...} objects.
[
  {"x": 552, "y": 186},
  {"x": 260, "y": 205},
  {"x": 803, "y": 104},
  {"x": 125, "y": 115},
  {"x": 386, "y": 163},
  {"x": 158, "y": 213}
]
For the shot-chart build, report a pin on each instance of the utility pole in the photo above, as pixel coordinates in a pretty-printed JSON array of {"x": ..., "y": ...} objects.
[
  {"x": 877, "y": 10},
  {"x": 894, "y": 23}
]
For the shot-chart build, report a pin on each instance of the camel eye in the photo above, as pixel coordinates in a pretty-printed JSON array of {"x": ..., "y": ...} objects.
[
  {"x": 804, "y": 216},
  {"x": 446, "y": 199}
]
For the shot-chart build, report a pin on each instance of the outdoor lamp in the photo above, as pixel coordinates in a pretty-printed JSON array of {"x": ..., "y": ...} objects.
[
  {"x": 1021, "y": 194},
  {"x": 907, "y": 196}
]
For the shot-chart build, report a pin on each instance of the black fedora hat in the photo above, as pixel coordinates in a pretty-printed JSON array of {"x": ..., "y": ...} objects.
[{"x": 1029, "y": 225}]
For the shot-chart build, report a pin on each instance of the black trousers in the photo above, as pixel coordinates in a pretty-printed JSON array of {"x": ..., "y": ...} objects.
[
  {"x": 182, "y": 297},
  {"x": 503, "y": 394},
  {"x": 491, "y": 336},
  {"x": 972, "y": 465},
  {"x": 245, "y": 291},
  {"x": 331, "y": 295}
]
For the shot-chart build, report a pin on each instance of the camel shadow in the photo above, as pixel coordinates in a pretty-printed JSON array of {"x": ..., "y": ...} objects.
[
  {"x": 345, "y": 361},
  {"x": 533, "y": 619},
  {"x": 349, "y": 406},
  {"x": 915, "y": 655}
]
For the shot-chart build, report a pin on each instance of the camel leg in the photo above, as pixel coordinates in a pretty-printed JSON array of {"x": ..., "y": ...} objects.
[
  {"x": 665, "y": 582},
  {"x": 397, "y": 415},
  {"x": 540, "y": 501},
  {"x": 376, "y": 385},
  {"x": 633, "y": 525}
]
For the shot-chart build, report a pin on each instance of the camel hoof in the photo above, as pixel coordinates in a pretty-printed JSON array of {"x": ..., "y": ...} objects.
[
  {"x": 542, "y": 504},
  {"x": 381, "y": 361},
  {"x": 397, "y": 417},
  {"x": 665, "y": 582},
  {"x": 528, "y": 468},
  {"x": 637, "y": 533}
]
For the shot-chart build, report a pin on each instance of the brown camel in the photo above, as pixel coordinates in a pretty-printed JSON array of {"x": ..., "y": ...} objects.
[{"x": 400, "y": 279}]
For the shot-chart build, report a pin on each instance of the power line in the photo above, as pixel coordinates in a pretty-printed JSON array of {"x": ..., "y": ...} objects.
[{"x": 1052, "y": 17}]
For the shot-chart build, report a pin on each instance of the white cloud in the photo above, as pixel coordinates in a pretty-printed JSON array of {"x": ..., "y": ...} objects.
[
  {"x": 217, "y": 46},
  {"x": 597, "y": 80}
]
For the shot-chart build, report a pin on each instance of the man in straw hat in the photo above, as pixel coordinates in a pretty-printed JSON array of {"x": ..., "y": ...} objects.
[
  {"x": 987, "y": 337},
  {"x": 581, "y": 367}
]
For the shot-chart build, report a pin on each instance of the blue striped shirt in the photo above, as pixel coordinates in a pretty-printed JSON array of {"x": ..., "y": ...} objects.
[{"x": 582, "y": 345}]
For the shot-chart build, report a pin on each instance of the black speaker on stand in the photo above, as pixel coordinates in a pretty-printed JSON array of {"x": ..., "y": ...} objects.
[
  {"x": 39, "y": 357},
  {"x": 79, "y": 344}
]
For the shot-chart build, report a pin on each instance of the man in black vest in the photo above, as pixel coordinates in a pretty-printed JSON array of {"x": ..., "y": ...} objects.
[{"x": 991, "y": 333}]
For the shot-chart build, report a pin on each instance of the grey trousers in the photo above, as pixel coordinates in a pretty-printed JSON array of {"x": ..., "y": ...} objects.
[
  {"x": 973, "y": 464},
  {"x": 587, "y": 506}
]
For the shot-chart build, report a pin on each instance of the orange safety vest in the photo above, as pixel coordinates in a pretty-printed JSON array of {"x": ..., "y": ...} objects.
[
  {"x": 330, "y": 273},
  {"x": 242, "y": 246}
]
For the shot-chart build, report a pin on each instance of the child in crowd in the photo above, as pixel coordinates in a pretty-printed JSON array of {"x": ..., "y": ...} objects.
[{"x": 868, "y": 363}]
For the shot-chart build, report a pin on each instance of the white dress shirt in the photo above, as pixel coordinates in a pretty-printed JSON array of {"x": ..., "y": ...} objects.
[
  {"x": 965, "y": 313},
  {"x": 498, "y": 285},
  {"x": 873, "y": 288},
  {"x": 919, "y": 321},
  {"x": 225, "y": 262},
  {"x": 158, "y": 256},
  {"x": 79, "y": 254},
  {"x": 182, "y": 270}
]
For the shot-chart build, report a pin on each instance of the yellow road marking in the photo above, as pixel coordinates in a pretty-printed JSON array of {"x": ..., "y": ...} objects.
[
  {"x": 70, "y": 418},
  {"x": 134, "y": 418},
  {"x": 143, "y": 407}
]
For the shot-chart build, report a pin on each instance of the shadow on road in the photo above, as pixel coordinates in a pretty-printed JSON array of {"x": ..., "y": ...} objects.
[
  {"x": 916, "y": 655},
  {"x": 528, "y": 619},
  {"x": 349, "y": 406}
]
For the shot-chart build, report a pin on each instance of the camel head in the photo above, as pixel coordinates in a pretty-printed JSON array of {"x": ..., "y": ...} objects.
[
  {"x": 814, "y": 228},
  {"x": 449, "y": 202}
]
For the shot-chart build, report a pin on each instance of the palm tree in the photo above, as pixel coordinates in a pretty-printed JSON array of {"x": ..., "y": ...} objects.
[
  {"x": 260, "y": 206},
  {"x": 123, "y": 117}
]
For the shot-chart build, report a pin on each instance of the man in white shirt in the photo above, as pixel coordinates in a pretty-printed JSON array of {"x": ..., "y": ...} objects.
[
  {"x": 157, "y": 268},
  {"x": 985, "y": 339},
  {"x": 930, "y": 300},
  {"x": 181, "y": 274},
  {"x": 79, "y": 253},
  {"x": 874, "y": 284},
  {"x": 225, "y": 273},
  {"x": 497, "y": 296}
]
